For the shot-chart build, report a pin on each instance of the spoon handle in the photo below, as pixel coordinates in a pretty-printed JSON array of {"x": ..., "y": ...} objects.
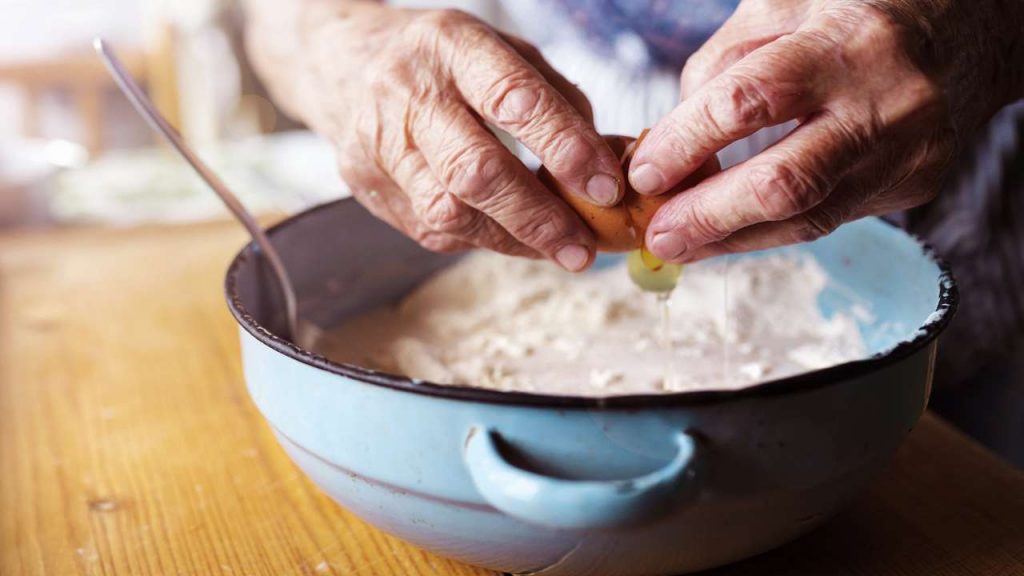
[{"x": 157, "y": 122}]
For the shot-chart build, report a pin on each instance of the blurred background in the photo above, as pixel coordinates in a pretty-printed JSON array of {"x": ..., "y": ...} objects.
[{"x": 73, "y": 153}]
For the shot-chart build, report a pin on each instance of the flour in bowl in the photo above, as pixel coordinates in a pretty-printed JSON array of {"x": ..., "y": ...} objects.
[{"x": 513, "y": 324}]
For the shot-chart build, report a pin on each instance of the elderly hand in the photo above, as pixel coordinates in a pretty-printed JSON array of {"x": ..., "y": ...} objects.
[
  {"x": 404, "y": 95},
  {"x": 883, "y": 91}
]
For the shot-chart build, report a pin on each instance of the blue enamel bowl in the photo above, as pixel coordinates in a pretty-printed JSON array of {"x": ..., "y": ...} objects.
[{"x": 542, "y": 484}]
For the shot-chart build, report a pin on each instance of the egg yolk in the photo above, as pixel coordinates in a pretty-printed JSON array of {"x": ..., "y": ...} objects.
[{"x": 650, "y": 273}]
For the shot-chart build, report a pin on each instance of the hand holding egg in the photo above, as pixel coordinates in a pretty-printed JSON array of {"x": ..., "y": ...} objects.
[
  {"x": 621, "y": 227},
  {"x": 407, "y": 96}
]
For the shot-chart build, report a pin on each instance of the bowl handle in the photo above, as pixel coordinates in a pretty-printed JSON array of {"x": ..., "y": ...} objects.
[{"x": 563, "y": 503}]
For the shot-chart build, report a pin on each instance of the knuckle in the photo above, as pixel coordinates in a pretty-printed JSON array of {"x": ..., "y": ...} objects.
[
  {"x": 445, "y": 214},
  {"x": 739, "y": 104},
  {"x": 515, "y": 99},
  {"x": 817, "y": 224},
  {"x": 473, "y": 175},
  {"x": 541, "y": 230},
  {"x": 674, "y": 140},
  {"x": 565, "y": 151},
  {"x": 704, "y": 223},
  {"x": 782, "y": 191}
]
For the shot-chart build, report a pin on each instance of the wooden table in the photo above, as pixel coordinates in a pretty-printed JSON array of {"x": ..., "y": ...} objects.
[{"x": 128, "y": 444}]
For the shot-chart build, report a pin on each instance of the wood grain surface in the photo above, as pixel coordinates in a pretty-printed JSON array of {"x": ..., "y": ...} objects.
[{"x": 128, "y": 444}]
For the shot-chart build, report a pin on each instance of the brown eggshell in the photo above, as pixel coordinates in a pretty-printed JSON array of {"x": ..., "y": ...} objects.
[{"x": 621, "y": 228}]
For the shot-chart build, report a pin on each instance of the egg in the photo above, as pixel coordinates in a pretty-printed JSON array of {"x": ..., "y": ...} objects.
[
  {"x": 621, "y": 228},
  {"x": 651, "y": 274}
]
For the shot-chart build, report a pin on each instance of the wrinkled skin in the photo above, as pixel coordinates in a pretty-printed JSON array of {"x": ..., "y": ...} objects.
[
  {"x": 405, "y": 108},
  {"x": 883, "y": 91}
]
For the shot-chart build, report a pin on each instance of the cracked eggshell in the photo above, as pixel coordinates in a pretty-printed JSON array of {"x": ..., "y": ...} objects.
[{"x": 621, "y": 228}]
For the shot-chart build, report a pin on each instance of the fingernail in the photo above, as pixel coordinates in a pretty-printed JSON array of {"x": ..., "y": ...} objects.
[
  {"x": 573, "y": 257},
  {"x": 668, "y": 245},
  {"x": 603, "y": 189},
  {"x": 646, "y": 179}
]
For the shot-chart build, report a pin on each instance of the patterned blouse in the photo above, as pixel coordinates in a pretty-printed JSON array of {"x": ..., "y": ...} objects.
[{"x": 668, "y": 30}]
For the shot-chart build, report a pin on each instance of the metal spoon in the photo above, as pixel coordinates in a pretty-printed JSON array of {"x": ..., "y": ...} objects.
[{"x": 148, "y": 111}]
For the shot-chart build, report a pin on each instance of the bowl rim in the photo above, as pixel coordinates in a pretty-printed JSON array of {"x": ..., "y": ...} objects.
[{"x": 949, "y": 299}]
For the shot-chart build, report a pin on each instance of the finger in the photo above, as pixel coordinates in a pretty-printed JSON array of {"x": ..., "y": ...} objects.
[
  {"x": 514, "y": 96},
  {"x": 884, "y": 185},
  {"x": 789, "y": 178},
  {"x": 378, "y": 193},
  {"x": 817, "y": 222},
  {"x": 474, "y": 228},
  {"x": 746, "y": 30},
  {"x": 567, "y": 89},
  {"x": 399, "y": 215},
  {"x": 776, "y": 83},
  {"x": 713, "y": 59},
  {"x": 750, "y": 27},
  {"x": 843, "y": 206},
  {"x": 475, "y": 168},
  {"x": 442, "y": 215}
]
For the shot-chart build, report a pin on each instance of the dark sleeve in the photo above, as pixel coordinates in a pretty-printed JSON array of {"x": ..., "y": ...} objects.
[{"x": 977, "y": 225}]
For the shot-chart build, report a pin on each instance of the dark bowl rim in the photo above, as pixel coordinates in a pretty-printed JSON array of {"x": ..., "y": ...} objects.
[{"x": 949, "y": 299}]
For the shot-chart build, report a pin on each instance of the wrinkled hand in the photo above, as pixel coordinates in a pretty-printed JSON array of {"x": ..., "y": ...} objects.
[
  {"x": 882, "y": 89},
  {"x": 404, "y": 96}
]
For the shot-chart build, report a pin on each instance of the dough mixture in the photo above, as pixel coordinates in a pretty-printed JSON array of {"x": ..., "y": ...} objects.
[{"x": 504, "y": 323}]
